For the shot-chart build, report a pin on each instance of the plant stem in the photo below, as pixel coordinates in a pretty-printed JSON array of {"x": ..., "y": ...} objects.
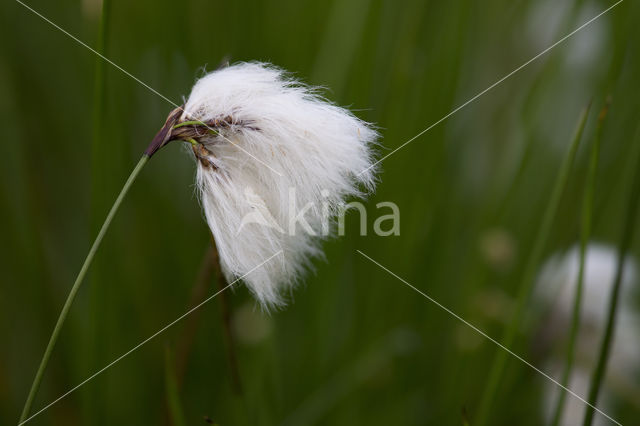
[
  {"x": 198, "y": 295},
  {"x": 105, "y": 154},
  {"x": 225, "y": 313},
  {"x": 623, "y": 248},
  {"x": 587, "y": 211},
  {"x": 76, "y": 285},
  {"x": 189, "y": 123},
  {"x": 498, "y": 366},
  {"x": 236, "y": 384},
  {"x": 174, "y": 405}
]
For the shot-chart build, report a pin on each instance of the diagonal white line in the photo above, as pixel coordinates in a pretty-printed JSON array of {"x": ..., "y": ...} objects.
[
  {"x": 493, "y": 85},
  {"x": 136, "y": 79},
  {"x": 136, "y": 347},
  {"x": 97, "y": 53},
  {"x": 482, "y": 333}
]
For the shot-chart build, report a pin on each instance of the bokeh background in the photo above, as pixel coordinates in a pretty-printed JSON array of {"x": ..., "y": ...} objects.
[{"x": 355, "y": 345}]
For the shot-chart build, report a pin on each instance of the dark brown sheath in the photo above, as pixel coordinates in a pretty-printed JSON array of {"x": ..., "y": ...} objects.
[{"x": 164, "y": 135}]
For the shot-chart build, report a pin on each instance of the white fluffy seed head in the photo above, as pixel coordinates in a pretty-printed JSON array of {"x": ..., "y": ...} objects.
[
  {"x": 282, "y": 151},
  {"x": 559, "y": 276}
]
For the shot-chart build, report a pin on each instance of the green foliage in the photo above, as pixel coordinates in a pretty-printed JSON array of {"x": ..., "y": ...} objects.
[{"x": 353, "y": 346}]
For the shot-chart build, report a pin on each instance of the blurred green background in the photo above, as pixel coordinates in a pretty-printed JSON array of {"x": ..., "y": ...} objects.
[{"x": 355, "y": 345}]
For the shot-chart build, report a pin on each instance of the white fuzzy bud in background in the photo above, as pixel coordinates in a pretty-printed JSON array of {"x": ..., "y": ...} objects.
[
  {"x": 556, "y": 293},
  {"x": 280, "y": 156}
]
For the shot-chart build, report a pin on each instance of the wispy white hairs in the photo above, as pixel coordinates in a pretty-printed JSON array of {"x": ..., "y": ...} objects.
[{"x": 275, "y": 162}]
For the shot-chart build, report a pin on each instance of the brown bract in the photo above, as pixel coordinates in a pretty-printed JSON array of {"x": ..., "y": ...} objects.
[
  {"x": 193, "y": 131},
  {"x": 164, "y": 134},
  {"x": 174, "y": 129},
  {"x": 204, "y": 156}
]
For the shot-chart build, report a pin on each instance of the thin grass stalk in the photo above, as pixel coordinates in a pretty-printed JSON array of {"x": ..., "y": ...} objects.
[
  {"x": 176, "y": 413},
  {"x": 236, "y": 383},
  {"x": 99, "y": 88},
  {"x": 93, "y": 407},
  {"x": 76, "y": 286},
  {"x": 585, "y": 235},
  {"x": 623, "y": 247},
  {"x": 498, "y": 366},
  {"x": 191, "y": 324},
  {"x": 225, "y": 316},
  {"x": 187, "y": 335}
]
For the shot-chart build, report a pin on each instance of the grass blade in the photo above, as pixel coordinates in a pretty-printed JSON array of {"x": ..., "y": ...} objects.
[
  {"x": 587, "y": 212},
  {"x": 103, "y": 154},
  {"x": 623, "y": 248},
  {"x": 176, "y": 413},
  {"x": 74, "y": 289},
  {"x": 498, "y": 366}
]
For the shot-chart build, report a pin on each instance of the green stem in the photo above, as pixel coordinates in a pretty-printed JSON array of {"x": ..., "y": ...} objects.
[
  {"x": 623, "y": 248},
  {"x": 104, "y": 156},
  {"x": 76, "y": 285},
  {"x": 498, "y": 366},
  {"x": 189, "y": 123},
  {"x": 196, "y": 123},
  {"x": 176, "y": 413},
  {"x": 587, "y": 211}
]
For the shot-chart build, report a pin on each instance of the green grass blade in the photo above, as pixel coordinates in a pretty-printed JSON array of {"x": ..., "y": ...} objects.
[
  {"x": 587, "y": 212},
  {"x": 74, "y": 289},
  {"x": 499, "y": 363},
  {"x": 623, "y": 248},
  {"x": 176, "y": 412},
  {"x": 102, "y": 168}
]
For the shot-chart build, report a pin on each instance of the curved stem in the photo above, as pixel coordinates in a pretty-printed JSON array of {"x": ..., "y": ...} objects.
[
  {"x": 76, "y": 285},
  {"x": 587, "y": 212}
]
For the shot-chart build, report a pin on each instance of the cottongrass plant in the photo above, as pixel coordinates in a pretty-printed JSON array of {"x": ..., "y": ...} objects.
[
  {"x": 530, "y": 270},
  {"x": 556, "y": 293},
  {"x": 263, "y": 142},
  {"x": 311, "y": 156}
]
